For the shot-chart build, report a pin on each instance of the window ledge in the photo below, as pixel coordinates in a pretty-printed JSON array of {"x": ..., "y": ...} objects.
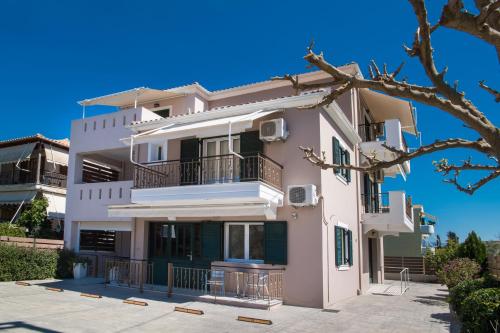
[
  {"x": 231, "y": 265},
  {"x": 342, "y": 180}
]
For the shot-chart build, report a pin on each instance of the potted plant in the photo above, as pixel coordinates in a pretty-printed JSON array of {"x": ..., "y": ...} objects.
[{"x": 80, "y": 266}]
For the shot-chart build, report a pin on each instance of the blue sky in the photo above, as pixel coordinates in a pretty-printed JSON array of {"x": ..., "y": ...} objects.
[{"x": 55, "y": 53}]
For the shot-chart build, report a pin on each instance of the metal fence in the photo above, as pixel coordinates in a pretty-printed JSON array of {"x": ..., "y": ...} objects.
[{"x": 130, "y": 273}]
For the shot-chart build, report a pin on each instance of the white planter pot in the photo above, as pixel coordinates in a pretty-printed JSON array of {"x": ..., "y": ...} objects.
[{"x": 79, "y": 271}]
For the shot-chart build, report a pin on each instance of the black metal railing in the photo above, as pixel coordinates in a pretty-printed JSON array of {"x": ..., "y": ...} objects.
[
  {"x": 54, "y": 179},
  {"x": 376, "y": 203},
  {"x": 209, "y": 170},
  {"x": 372, "y": 131},
  {"x": 409, "y": 207}
]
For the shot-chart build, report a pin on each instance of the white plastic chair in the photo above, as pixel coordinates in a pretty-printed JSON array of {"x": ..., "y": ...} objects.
[{"x": 217, "y": 278}]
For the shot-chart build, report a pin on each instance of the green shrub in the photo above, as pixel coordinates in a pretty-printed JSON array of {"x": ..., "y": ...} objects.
[
  {"x": 19, "y": 263},
  {"x": 473, "y": 248},
  {"x": 441, "y": 257},
  {"x": 65, "y": 264},
  {"x": 480, "y": 309},
  {"x": 12, "y": 230},
  {"x": 462, "y": 290},
  {"x": 458, "y": 270}
]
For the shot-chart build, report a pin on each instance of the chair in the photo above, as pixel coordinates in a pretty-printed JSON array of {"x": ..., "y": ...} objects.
[
  {"x": 258, "y": 283},
  {"x": 217, "y": 278}
]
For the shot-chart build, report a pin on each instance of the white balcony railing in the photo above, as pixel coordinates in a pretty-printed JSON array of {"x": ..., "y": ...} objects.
[
  {"x": 387, "y": 134},
  {"x": 391, "y": 214}
]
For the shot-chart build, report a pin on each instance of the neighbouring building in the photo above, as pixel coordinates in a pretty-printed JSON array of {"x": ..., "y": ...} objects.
[
  {"x": 408, "y": 249},
  {"x": 32, "y": 167},
  {"x": 214, "y": 179}
]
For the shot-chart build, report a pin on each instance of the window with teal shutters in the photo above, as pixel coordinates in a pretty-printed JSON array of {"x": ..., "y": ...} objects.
[
  {"x": 341, "y": 156},
  {"x": 349, "y": 240},
  {"x": 337, "y": 153},
  {"x": 347, "y": 157},
  {"x": 211, "y": 241},
  {"x": 338, "y": 246},
  {"x": 275, "y": 243},
  {"x": 343, "y": 247}
]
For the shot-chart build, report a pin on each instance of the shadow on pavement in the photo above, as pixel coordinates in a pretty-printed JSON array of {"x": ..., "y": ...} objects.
[
  {"x": 97, "y": 286},
  {"x": 21, "y": 324}
]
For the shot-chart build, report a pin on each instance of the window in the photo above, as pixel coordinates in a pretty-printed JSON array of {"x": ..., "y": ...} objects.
[
  {"x": 244, "y": 242},
  {"x": 94, "y": 240},
  {"x": 343, "y": 247},
  {"x": 156, "y": 152},
  {"x": 164, "y": 113},
  {"x": 341, "y": 156}
]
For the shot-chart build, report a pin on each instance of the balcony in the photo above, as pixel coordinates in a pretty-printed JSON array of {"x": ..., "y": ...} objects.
[
  {"x": 376, "y": 137},
  {"x": 427, "y": 229},
  {"x": 388, "y": 213},
  {"x": 212, "y": 186}
]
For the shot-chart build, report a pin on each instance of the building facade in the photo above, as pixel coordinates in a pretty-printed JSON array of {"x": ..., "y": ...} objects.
[
  {"x": 215, "y": 180},
  {"x": 32, "y": 167}
]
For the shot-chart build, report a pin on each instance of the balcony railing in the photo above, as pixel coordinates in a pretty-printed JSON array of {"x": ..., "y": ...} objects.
[
  {"x": 209, "y": 170},
  {"x": 376, "y": 203},
  {"x": 409, "y": 207},
  {"x": 376, "y": 131},
  {"x": 54, "y": 179}
]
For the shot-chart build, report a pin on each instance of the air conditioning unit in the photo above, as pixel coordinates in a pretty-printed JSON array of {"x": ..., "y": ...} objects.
[
  {"x": 378, "y": 176},
  {"x": 302, "y": 195},
  {"x": 273, "y": 130}
]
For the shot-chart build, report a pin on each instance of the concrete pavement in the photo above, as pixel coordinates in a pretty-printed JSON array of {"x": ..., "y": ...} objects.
[{"x": 27, "y": 309}]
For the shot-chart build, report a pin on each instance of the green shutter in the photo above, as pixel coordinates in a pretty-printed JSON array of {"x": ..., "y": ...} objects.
[
  {"x": 351, "y": 253},
  {"x": 250, "y": 143},
  {"x": 336, "y": 153},
  {"x": 190, "y": 151},
  {"x": 338, "y": 246},
  {"x": 275, "y": 243},
  {"x": 211, "y": 240},
  {"x": 347, "y": 161}
]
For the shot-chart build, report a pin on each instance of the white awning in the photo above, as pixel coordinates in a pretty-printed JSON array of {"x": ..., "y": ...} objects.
[
  {"x": 106, "y": 226},
  {"x": 128, "y": 97},
  {"x": 205, "y": 128},
  {"x": 384, "y": 107},
  {"x": 54, "y": 155},
  {"x": 201, "y": 210},
  {"x": 16, "y": 153},
  {"x": 16, "y": 197}
]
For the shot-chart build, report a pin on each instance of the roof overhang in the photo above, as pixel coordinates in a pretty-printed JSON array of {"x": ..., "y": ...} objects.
[
  {"x": 201, "y": 129},
  {"x": 130, "y": 97},
  {"x": 383, "y": 107}
]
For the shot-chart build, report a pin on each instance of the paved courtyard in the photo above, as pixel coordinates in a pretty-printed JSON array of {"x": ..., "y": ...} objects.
[{"x": 35, "y": 309}]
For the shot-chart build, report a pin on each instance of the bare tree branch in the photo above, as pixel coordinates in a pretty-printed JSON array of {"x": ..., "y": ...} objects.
[
  {"x": 492, "y": 91},
  {"x": 471, "y": 188},
  {"x": 485, "y": 25},
  {"x": 441, "y": 95},
  {"x": 402, "y": 156}
]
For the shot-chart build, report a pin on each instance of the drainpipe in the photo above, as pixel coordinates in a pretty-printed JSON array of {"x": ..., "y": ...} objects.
[{"x": 358, "y": 199}]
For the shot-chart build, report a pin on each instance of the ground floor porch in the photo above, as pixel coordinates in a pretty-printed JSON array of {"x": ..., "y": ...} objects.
[{"x": 422, "y": 309}]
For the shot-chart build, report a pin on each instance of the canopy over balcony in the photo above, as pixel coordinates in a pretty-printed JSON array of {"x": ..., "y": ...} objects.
[
  {"x": 384, "y": 107},
  {"x": 129, "y": 97}
]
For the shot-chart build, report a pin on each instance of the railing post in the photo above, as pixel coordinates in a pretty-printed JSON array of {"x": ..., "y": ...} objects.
[
  {"x": 170, "y": 278},
  {"x": 141, "y": 279}
]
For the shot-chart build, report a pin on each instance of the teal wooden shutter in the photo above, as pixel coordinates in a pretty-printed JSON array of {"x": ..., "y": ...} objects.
[
  {"x": 190, "y": 153},
  {"x": 250, "y": 146},
  {"x": 336, "y": 153},
  {"x": 275, "y": 243},
  {"x": 351, "y": 253},
  {"x": 338, "y": 246},
  {"x": 211, "y": 241},
  {"x": 347, "y": 161}
]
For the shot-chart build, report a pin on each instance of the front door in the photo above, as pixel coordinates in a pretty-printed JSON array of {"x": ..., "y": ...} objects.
[
  {"x": 370, "y": 259},
  {"x": 176, "y": 243},
  {"x": 219, "y": 166}
]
